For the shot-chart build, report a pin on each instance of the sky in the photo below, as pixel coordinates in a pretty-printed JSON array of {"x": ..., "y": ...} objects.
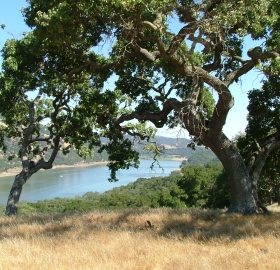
[{"x": 11, "y": 16}]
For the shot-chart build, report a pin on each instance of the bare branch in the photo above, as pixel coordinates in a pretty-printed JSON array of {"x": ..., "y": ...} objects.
[
  {"x": 158, "y": 119},
  {"x": 180, "y": 37},
  {"x": 39, "y": 96},
  {"x": 239, "y": 72}
]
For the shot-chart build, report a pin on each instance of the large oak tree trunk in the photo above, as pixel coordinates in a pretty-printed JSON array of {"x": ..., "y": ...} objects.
[
  {"x": 211, "y": 135},
  {"x": 242, "y": 199},
  {"x": 13, "y": 199}
]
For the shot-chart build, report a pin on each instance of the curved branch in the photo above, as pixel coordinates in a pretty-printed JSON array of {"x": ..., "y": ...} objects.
[
  {"x": 249, "y": 65},
  {"x": 217, "y": 58},
  {"x": 180, "y": 37},
  {"x": 158, "y": 119},
  {"x": 256, "y": 58}
]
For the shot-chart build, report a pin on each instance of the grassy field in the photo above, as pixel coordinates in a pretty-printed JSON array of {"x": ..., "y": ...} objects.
[{"x": 172, "y": 239}]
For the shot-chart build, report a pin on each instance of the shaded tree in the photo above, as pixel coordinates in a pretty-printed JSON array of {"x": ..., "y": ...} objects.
[
  {"x": 260, "y": 145},
  {"x": 269, "y": 181},
  {"x": 163, "y": 71},
  {"x": 49, "y": 111}
]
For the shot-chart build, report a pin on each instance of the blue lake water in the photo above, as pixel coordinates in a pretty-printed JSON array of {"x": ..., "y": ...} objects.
[{"x": 73, "y": 181}]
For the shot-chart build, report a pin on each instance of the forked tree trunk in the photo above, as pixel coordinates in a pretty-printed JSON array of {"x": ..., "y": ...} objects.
[
  {"x": 270, "y": 145},
  {"x": 13, "y": 199}
]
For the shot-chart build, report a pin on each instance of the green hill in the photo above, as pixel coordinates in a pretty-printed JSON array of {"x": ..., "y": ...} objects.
[{"x": 170, "y": 148}]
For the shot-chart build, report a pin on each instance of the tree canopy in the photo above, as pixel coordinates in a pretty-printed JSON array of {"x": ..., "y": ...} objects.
[{"x": 167, "y": 57}]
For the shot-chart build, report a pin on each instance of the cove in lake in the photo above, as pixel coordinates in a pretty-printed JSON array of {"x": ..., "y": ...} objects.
[{"x": 69, "y": 182}]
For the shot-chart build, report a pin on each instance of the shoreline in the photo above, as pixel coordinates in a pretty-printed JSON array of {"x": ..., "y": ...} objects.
[{"x": 16, "y": 170}]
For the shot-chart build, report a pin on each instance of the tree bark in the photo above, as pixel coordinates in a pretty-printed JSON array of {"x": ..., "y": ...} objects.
[
  {"x": 211, "y": 135},
  {"x": 254, "y": 180},
  {"x": 242, "y": 199},
  {"x": 278, "y": 194},
  {"x": 13, "y": 199},
  {"x": 272, "y": 144}
]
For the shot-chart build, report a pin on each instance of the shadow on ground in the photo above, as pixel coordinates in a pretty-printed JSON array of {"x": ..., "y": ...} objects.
[{"x": 177, "y": 224}]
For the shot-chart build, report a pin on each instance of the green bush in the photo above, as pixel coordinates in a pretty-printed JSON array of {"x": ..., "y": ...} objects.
[{"x": 206, "y": 187}]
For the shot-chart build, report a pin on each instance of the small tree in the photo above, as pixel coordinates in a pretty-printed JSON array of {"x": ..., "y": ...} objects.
[
  {"x": 49, "y": 110},
  {"x": 269, "y": 181},
  {"x": 260, "y": 145}
]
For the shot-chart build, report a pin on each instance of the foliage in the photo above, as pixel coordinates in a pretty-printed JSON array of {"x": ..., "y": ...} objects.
[
  {"x": 193, "y": 186},
  {"x": 162, "y": 75},
  {"x": 264, "y": 109},
  {"x": 205, "y": 187},
  {"x": 201, "y": 158},
  {"x": 73, "y": 108},
  {"x": 269, "y": 182},
  {"x": 141, "y": 193},
  {"x": 261, "y": 149}
]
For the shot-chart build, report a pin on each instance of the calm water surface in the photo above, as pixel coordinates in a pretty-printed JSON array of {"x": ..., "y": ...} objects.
[{"x": 70, "y": 182}]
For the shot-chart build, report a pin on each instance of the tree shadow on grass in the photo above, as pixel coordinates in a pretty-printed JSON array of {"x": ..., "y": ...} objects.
[
  {"x": 199, "y": 225},
  {"x": 178, "y": 224}
]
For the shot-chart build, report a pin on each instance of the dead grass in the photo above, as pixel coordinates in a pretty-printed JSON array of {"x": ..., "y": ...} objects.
[{"x": 176, "y": 239}]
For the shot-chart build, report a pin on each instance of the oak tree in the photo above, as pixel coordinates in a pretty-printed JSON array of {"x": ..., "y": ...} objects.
[
  {"x": 46, "y": 110},
  {"x": 164, "y": 55},
  {"x": 260, "y": 145}
]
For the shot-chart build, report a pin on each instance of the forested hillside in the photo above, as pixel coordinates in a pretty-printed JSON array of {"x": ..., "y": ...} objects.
[
  {"x": 192, "y": 186},
  {"x": 169, "y": 147}
]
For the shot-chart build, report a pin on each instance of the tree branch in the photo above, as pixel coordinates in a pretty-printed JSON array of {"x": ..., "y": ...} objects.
[{"x": 158, "y": 119}]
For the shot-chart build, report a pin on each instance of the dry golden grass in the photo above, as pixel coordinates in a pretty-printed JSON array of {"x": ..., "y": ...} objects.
[{"x": 177, "y": 239}]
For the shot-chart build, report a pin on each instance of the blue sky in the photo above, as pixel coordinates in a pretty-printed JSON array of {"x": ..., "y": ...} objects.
[{"x": 10, "y": 15}]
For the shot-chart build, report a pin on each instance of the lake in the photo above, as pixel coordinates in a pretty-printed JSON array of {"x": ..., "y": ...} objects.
[{"x": 72, "y": 181}]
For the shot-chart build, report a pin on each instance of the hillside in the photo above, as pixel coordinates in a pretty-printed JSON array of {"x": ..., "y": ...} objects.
[{"x": 170, "y": 147}]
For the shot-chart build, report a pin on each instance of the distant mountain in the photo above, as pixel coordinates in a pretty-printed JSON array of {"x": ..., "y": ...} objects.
[
  {"x": 178, "y": 148},
  {"x": 170, "y": 148},
  {"x": 172, "y": 142}
]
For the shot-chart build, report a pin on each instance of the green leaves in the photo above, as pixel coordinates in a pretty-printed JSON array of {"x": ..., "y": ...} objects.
[
  {"x": 57, "y": 73},
  {"x": 122, "y": 156},
  {"x": 147, "y": 105},
  {"x": 204, "y": 186},
  {"x": 2, "y": 137},
  {"x": 264, "y": 109}
]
